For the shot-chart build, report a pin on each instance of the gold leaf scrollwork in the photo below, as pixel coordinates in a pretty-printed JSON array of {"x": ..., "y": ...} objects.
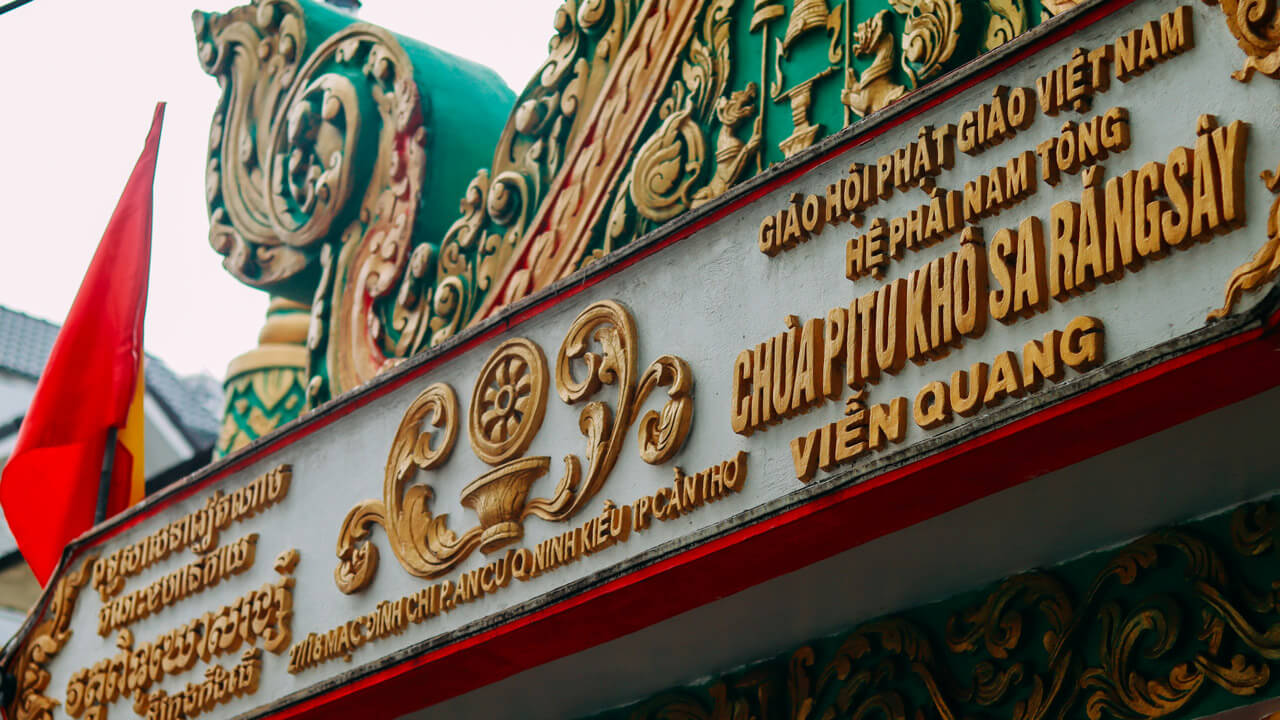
[
  {"x": 421, "y": 542},
  {"x": 1008, "y": 20},
  {"x": 507, "y": 408},
  {"x": 662, "y": 433},
  {"x": 667, "y": 166},
  {"x": 1256, "y": 26},
  {"x": 1160, "y": 627},
  {"x": 930, "y": 36},
  {"x": 283, "y": 180},
  {"x": 1263, "y": 267},
  {"x": 45, "y": 641},
  {"x": 1255, "y": 529},
  {"x": 612, "y": 328}
]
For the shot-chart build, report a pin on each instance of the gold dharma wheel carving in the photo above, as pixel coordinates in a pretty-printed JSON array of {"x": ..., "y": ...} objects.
[{"x": 509, "y": 401}]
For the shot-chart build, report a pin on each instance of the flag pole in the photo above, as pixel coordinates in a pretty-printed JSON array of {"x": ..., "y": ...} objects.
[{"x": 104, "y": 480}]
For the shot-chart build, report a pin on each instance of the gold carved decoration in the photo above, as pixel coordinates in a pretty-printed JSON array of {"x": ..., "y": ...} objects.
[
  {"x": 506, "y": 412},
  {"x": 1265, "y": 263},
  {"x": 284, "y": 183},
  {"x": 1256, "y": 25},
  {"x": 1008, "y": 21},
  {"x": 509, "y": 400},
  {"x": 812, "y": 15},
  {"x": 422, "y": 544},
  {"x": 507, "y": 406},
  {"x": 666, "y": 167},
  {"x": 873, "y": 89},
  {"x": 1057, "y": 7},
  {"x": 611, "y": 326},
  {"x": 807, "y": 15},
  {"x": 43, "y": 644},
  {"x": 670, "y": 164},
  {"x": 543, "y": 131},
  {"x": 801, "y": 98},
  {"x": 281, "y": 167},
  {"x": 732, "y": 154},
  {"x": 1167, "y": 622},
  {"x": 596, "y": 158},
  {"x": 931, "y": 33}
]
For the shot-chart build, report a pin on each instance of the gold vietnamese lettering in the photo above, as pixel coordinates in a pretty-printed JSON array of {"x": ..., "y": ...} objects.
[
  {"x": 806, "y": 215},
  {"x": 862, "y": 430},
  {"x": 1073, "y": 84},
  {"x": 1079, "y": 346},
  {"x": 1116, "y": 227}
]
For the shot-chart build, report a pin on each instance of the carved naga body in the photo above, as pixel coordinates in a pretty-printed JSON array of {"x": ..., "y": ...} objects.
[{"x": 874, "y": 89}]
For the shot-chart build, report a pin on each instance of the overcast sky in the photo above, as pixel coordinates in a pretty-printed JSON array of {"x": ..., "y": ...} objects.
[{"x": 80, "y": 81}]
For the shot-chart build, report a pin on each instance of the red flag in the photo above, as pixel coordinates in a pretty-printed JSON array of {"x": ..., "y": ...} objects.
[{"x": 49, "y": 490}]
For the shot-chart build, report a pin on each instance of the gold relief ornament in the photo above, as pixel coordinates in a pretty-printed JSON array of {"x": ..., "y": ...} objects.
[
  {"x": 500, "y": 202},
  {"x": 666, "y": 167},
  {"x": 932, "y": 30},
  {"x": 669, "y": 165},
  {"x": 732, "y": 154},
  {"x": 1256, "y": 26},
  {"x": 507, "y": 407},
  {"x": 1167, "y": 621},
  {"x": 661, "y": 435},
  {"x": 1263, "y": 267},
  {"x": 874, "y": 89},
  {"x": 806, "y": 16},
  {"x": 1057, "y": 7},
  {"x": 283, "y": 179},
  {"x": 1008, "y": 20},
  {"x": 44, "y": 643},
  {"x": 506, "y": 412},
  {"x": 281, "y": 169},
  {"x": 422, "y": 543},
  {"x": 594, "y": 162}
]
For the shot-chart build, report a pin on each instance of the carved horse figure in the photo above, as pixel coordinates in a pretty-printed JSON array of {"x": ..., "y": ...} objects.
[{"x": 874, "y": 89}]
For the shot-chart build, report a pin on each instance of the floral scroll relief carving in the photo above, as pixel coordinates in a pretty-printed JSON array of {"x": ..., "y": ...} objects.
[
  {"x": 506, "y": 413},
  {"x": 45, "y": 641},
  {"x": 931, "y": 33},
  {"x": 285, "y": 183},
  {"x": 1256, "y": 27},
  {"x": 1162, "y": 624}
]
